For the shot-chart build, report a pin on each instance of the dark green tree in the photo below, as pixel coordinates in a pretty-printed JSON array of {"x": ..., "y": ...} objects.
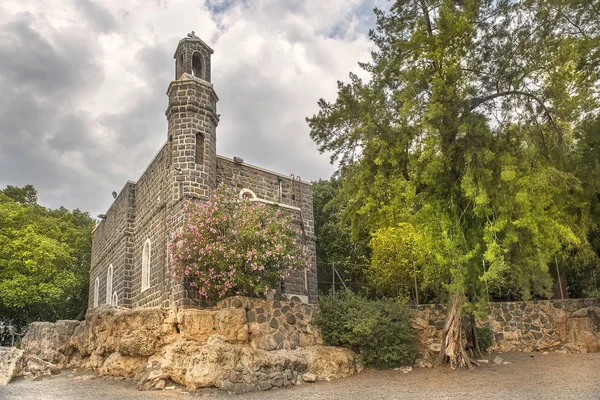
[
  {"x": 335, "y": 246},
  {"x": 465, "y": 132},
  {"x": 44, "y": 259}
]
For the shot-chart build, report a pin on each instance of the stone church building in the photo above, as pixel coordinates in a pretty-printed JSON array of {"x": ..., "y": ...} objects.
[{"x": 129, "y": 248}]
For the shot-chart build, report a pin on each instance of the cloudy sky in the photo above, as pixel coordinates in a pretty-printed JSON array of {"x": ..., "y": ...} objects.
[{"x": 83, "y": 85}]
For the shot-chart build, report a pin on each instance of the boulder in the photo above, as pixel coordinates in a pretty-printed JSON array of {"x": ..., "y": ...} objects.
[
  {"x": 583, "y": 329},
  {"x": 50, "y": 342},
  {"x": 331, "y": 362},
  {"x": 11, "y": 364},
  {"x": 36, "y": 367}
]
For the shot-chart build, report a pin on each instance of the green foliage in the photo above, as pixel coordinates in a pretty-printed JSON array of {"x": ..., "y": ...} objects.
[
  {"x": 403, "y": 264},
  {"x": 380, "y": 330},
  {"x": 477, "y": 129},
  {"x": 44, "y": 259},
  {"x": 485, "y": 337},
  {"x": 332, "y": 228},
  {"x": 233, "y": 246}
]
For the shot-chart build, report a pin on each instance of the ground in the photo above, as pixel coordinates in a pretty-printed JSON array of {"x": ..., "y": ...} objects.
[{"x": 528, "y": 376}]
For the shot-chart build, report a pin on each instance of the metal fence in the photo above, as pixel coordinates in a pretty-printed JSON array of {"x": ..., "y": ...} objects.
[{"x": 332, "y": 279}]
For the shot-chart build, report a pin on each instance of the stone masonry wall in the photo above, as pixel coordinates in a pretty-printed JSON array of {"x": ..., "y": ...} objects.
[
  {"x": 571, "y": 325},
  {"x": 150, "y": 223},
  {"x": 265, "y": 184},
  {"x": 546, "y": 325},
  {"x": 112, "y": 244},
  {"x": 276, "y": 324}
]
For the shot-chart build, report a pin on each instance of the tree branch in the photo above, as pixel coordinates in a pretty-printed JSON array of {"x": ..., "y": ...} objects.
[{"x": 476, "y": 102}]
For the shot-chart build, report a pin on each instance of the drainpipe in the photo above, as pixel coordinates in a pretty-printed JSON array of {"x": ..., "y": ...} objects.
[{"x": 280, "y": 190}]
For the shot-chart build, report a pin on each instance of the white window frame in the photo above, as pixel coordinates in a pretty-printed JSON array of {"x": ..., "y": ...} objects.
[
  {"x": 146, "y": 262},
  {"x": 96, "y": 290},
  {"x": 247, "y": 192},
  {"x": 115, "y": 300},
  {"x": 109, "y": 284}
]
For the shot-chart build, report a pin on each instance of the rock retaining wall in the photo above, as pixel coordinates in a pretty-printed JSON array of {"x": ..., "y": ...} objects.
[
  {"x": 241, "y": 345},
  {"x": 277, "y": 324},
  {"x": 571, "y": 325}
]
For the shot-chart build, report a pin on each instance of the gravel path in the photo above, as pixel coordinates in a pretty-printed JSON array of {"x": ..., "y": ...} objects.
[{"x": 547, "y": 377}]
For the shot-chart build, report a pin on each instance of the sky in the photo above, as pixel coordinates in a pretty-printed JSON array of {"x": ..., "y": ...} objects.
[{"x": 83, "y": 85}]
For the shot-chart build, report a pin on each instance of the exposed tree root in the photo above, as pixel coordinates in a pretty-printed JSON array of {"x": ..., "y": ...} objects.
[{"x": 459, "y": 341}]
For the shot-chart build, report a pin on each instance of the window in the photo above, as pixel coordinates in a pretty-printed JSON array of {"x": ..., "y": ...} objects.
[
  {"x": 96, "y": 290},
  {"x": 199, "y": 149},
  {"x": 146, "y": 255},
  {"x": 115, "y": 299},
  {"x": 109, "y": 284},
  {"x": 198, "y": 65},
  {"x": 247, "y": 194},
  {"x": 179, "y": 66}
]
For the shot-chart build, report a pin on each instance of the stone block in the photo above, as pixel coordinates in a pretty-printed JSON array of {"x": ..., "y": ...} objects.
[{"x": 11, "y": 364}]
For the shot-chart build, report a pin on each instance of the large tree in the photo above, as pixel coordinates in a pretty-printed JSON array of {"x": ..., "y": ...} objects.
[
  {"x": 465, "y": 134},
  {"x": 44, "y": 259}
]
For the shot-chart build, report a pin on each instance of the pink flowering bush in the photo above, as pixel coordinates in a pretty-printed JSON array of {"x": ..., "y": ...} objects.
[{"x": 231, "y": 246}]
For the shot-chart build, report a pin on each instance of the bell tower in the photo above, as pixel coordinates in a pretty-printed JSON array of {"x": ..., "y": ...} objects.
[
  {"x": 192, "y": 137},
  {"x": 192, "y": 118}
]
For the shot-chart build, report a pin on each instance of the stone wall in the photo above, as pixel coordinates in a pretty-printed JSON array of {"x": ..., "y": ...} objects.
[
  {"x": 276, "y": 324},
  {"x": 151, "y": 196},
  {"x": 112, "y": 244},
  {"x": 571, "y": 325},
  {"x": 284, "y": 190},
  {"x": 220, "y": 347}
]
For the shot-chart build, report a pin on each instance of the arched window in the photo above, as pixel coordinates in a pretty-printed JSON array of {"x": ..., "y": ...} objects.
[
  {"x": 115, "y": 300},
  {"x": 146, "y": 255},
  {"x": 179, "y": 66},
  {"x": 96, "y": 290},
  {"x": 198, "y": 65},
  {"x": 109, "y": 284},
  {"x": 247, "y": 194},
  {"x": 199, "y": 149}
]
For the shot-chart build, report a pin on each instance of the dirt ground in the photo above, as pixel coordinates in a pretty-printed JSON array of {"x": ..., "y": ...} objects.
[{"x": 528, "y": 376}]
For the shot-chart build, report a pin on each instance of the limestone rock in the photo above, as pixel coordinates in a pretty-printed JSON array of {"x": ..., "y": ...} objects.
[
  {"x": 36, "y": 366},
  {"x": 583, "y": 329},
  {"x": 419, "y": 323},
  {"x": 435, "y": 347},
  {"x": 11, "y": 364},
  {"x": 233, "y": 324},
  {"x": 309, "y": 377},
  {"x": 196, "y": 325},
  {"x": 195, "y": 348},
  {"x": 125, "y": 366},
  {"x": 331, "y": 362},
  {"x": 50, "y": 341}
]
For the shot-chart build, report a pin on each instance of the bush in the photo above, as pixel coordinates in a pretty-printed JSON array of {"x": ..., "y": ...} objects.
[
  {"x": 379, "y": 330},
  {"x": 230, "y": 246},
  {"x": 485, "y": 337}
]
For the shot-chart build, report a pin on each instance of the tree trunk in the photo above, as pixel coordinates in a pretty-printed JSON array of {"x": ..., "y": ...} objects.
[{"x": 459, "y": 341}]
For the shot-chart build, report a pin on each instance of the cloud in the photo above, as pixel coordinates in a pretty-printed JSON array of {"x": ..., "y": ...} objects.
[
  {"x": 84, "y": 85},
  {"x": 100, "y": 18}
]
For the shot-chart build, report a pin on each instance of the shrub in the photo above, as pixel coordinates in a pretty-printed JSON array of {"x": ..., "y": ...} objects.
[
  {"x": 379, "y": 330},
  {"x": 485, "y": 337},
  {"x": 229, "y": 246}
]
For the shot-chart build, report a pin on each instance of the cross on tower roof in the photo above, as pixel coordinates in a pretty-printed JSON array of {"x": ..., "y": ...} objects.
[{"x": 192, "y": 35}]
